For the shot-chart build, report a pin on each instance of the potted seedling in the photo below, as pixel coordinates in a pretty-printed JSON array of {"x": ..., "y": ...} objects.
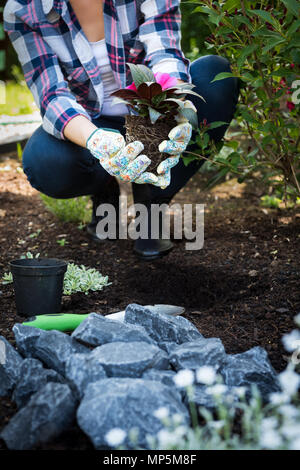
[{"x": 156, "y": 101}]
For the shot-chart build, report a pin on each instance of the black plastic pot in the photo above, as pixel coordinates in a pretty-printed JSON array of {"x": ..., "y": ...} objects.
[{"x": 38, "y": 285}]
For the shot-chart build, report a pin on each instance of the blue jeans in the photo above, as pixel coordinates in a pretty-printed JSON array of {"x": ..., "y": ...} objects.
[{"x": 62, "y": 169}]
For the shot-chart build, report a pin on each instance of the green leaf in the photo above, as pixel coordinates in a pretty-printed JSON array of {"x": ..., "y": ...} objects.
[
  {"x": 154, "y": 115},
  {"x": 231, "y": 5},
  {"x": 247, "y": 51},
  {"x": 265, "y": 15},
  {"x": 293, "y": 28},
  {"x": 179, "y": 102},
  {"x": 221, "y": 76},
  {"x": 293, "y": 6},
  {"x": 156, "y": 100},
  {"x": 117, "y": 100},
  {"x": 215, "y": 124},
  {"x": 141, "y": 74},
  {"x": 271, "y": 44},
  {"x": 187, "y": 160},
  {"x": 190, "y": 92},
  {"x": 191, "y": 116}
]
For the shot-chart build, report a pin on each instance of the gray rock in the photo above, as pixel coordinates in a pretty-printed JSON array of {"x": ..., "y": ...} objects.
[
  {"x": 53, "y": 348},
  {"x": 162, "y": 327},
  {"x": 33, "y": 377},
  {"x": 202, "y": 398},
  {"x": 96, "y": 330},
  {"x": 127, "y": 404},
  {"x": 49, "y": 412},
  {"x": 26, "y": 337},
  {"x": 82, "y": 369},
  {"x": 250, "y": 368},
  {"x": 195, "y": 354},
  {"x": 129, "y": 359},
  {"x": 10, "y": 363},
  {"x": 164, "y": 376},
  {"x": 167, "y": 346}
]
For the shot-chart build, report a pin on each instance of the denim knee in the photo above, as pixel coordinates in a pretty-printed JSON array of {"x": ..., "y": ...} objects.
[{"x": 205, "y": 68}]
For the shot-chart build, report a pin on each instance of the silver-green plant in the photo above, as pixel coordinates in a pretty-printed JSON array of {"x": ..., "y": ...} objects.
[{"x": 82, "y": 279}]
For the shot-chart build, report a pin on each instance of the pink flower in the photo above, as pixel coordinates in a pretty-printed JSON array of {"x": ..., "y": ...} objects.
[
  {"x": 165, "y": 80},
  {"x": 131, "y": 87}
]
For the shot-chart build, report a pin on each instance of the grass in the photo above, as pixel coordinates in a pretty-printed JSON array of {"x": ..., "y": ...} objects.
[{"x": 77, "y": 209}]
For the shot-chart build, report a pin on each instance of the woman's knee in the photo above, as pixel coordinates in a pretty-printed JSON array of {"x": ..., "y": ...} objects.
[
  {"x": 46, "y": 164},
  {"x": 204, "y": 70},
  {"x": 209, "y": 65}
]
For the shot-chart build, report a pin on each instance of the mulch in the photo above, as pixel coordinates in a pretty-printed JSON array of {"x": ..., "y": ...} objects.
[{"x": 242, "y": 287}]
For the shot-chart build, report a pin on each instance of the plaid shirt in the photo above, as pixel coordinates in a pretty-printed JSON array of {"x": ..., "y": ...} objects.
[{"x": 58, "y": 63}]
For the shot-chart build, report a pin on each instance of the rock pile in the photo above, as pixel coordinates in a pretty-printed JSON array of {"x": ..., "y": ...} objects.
[{"x": 112, "y": 373}]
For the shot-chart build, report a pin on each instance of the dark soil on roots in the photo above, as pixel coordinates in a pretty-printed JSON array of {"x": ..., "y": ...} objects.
[
  {"x": 139, "y": 128},
  {"x": 242, "y": 287}
]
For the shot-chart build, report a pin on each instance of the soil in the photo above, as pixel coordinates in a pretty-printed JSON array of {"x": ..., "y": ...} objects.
[
  {"x": 139, "y": 128},
  {"x": 242, "y": 287}
]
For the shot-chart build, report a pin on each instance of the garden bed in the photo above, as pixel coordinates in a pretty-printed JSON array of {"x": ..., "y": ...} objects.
[{"x": 243, "y": 287}]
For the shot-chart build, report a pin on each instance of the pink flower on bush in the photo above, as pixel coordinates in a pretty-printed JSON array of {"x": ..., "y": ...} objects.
[
  {"x": 164, "y": 79},
  {"x": 290, "y": 105}
]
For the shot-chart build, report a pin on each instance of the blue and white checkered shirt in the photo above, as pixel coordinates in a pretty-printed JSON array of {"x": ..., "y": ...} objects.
[{"x": 57, "y": 59}]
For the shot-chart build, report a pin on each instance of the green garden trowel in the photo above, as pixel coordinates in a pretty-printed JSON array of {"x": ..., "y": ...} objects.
[{"x": 70, "y": 321}]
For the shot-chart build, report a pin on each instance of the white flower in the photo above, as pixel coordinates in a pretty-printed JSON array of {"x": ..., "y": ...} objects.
[
  {"x": 115, "y": 437},
  {"x": 184, "y": 378},
  {"x": 291, "y": 431},
  {"x": 279, "y": 398},
  {"x": 177, "y": 419},
  {"x": 165, "y": 438},
  {"x": 289, "y": 411},
  {"x": 180, "y": 431},
  {"x": 297, "y": 319},
  {"x": 217, "y": 424},
  {"x": 206, "y": 375},
  {"x": 161, "y": 413},
  {"x": 240, "y": 391},
  {"x": 218, "y": 389},
  {"x": 269, "y": 424},
  {"x": 291, "y": 341},
  {"x": 289, "y": 381},
  {"x": 295, "y": 445},
  {"x": 270, "y": 440}
]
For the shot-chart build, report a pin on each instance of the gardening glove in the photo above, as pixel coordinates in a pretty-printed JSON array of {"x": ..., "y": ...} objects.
[
  {"x": 118, "y": 159},
  {"x": 179, "y": 138}
]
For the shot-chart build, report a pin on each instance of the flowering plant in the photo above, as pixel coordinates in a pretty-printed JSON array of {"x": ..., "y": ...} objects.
[{"x": 157, "y": 96}]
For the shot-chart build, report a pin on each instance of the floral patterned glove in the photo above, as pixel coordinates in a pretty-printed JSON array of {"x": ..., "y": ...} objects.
[
  {"x": 179, "y": 138},
  {"x": 118, "y": 159}
]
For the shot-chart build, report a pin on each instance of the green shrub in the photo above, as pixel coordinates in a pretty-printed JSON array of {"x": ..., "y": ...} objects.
[
  {"x": 262, "y": 42},
  {"x": 77, "y": 209}
]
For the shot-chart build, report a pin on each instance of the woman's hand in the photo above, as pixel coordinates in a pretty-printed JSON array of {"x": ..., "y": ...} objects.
[
  {"x": 179, "y": 138},
  {"x": 118, "y": 159}
]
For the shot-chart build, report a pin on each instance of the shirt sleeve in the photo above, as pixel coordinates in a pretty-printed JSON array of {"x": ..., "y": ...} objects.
[
  {"x": 161, "y": 35},
  {"x": 43, "y": 76}
]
